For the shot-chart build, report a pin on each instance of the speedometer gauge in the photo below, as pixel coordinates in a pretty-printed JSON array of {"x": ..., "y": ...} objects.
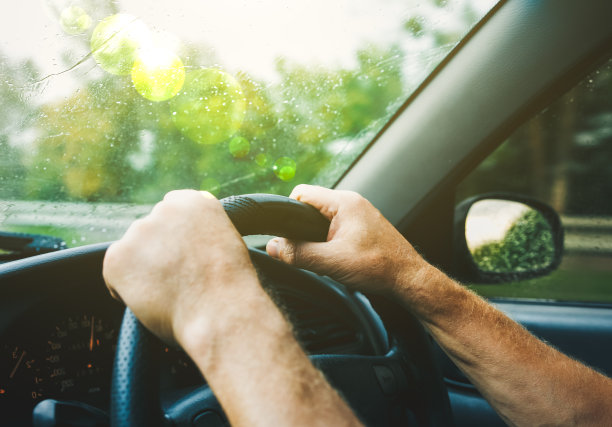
[
  {"x": 77, "y": 359},
  {"x": 72, "y": 360}
]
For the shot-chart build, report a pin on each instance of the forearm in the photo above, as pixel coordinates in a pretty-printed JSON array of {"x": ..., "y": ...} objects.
[
  {"x": 258, "y": 371},
  {"x": 525, "y": 380}
]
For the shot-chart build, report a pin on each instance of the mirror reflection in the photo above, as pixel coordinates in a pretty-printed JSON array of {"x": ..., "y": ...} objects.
[{"x": 508, "y": 237}]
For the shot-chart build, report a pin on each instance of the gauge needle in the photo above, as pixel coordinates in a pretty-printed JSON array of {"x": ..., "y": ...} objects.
[
  {"x": 91, "y": 336},
  {"x": 23, "y": 353}
]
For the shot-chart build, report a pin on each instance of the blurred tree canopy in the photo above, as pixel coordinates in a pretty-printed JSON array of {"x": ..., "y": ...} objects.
[
  {"x": 527, "y": 246},
  {"x": 107, "y": 143},
  {"x": 561, "y": 156}
]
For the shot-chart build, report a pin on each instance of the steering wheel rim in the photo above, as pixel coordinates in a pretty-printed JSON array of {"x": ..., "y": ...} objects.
[{"x": 135, "y": 389}]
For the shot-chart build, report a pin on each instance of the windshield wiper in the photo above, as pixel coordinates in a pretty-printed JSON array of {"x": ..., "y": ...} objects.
[{"x": 15, "y": 246}]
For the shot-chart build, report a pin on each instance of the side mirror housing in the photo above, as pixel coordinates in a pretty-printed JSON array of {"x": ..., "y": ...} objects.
[{"x": 500, "y": 238}]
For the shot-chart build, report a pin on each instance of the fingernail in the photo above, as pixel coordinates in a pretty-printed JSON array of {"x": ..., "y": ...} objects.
[{"x": 272, "y": 248}]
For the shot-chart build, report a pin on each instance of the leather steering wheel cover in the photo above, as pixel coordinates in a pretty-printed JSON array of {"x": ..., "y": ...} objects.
[{"x": 135, "y": 385}]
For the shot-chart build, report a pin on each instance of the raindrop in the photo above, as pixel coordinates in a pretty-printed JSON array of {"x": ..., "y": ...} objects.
[{"x": 284, "y": 168}]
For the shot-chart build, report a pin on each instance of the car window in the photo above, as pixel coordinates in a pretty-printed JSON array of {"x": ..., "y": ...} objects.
[
  {"x": 107, "y": 105},
  {"x": 562, "y": 157}
]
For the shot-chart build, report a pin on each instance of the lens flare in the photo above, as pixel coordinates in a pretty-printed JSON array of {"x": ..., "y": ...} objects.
[
  {"x": 74, "y": 20},
  {"x": 210, "y": 108},
  {"x": 239, "y": 147},
  {"x": 158, "y": 74},
  {"x": 284, "y": 168},
  {"x": 115, "y": 43}
]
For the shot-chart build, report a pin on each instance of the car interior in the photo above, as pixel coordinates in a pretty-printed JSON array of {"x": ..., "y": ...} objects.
[{"x": 73, "y": 355}]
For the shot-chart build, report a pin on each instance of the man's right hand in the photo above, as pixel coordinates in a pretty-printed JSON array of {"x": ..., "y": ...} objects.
[{"x": 363, "y": 250}]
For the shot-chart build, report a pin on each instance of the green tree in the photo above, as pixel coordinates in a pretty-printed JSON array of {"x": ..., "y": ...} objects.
[
  {"x": 528, "y": 245},
  {"x": 17, "y": 118}
]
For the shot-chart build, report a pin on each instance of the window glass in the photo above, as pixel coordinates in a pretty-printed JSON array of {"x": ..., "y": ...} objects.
[
  {"x": 107, "y": 105},
  {"x": 563, "y": 157}
]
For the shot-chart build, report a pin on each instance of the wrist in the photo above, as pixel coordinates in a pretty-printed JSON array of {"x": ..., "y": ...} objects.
[
  {"x": 417, "y": 283},
  {"x": 409, "y": 274},
  {"x": 227, "y": 325}
]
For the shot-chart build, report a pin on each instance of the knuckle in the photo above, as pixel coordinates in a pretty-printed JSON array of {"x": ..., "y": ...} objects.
[
  {"x": 159, "y": 207},
  {"x": 172, "y": 194},
  {"x": 111, "y": 258},
  {"x": 181, "y": 196},
  {"x": 114, "y": 294},
  {"x": 298, "y": 191},
  {"x": 288, "y": 253},
  {"x": 301, "y": 187},
  {"x": 111, "y": 253},
  {"x": 353, "y": 198},
  {"x": 138, "y": 226},
  {"x": 212, "y": 202}
]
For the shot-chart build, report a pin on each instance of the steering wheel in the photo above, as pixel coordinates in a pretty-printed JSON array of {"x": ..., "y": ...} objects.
[{"x": 406, "y": 381}]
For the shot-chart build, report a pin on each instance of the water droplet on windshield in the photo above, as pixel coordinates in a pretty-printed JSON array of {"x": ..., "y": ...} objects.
[
  {"x": 284, "y": 168},
  {"x": 239, "y": 147}
]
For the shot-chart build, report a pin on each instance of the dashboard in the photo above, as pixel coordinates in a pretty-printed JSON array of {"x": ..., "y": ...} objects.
[{"x": 59, "y": 328}]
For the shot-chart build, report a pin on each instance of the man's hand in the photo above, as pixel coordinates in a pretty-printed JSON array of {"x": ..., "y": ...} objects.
[
  {"x": 525, "y": 380},
  {"x": 186, "y": 274},
  {"x": 363, "y": 249},
  {"x": 179, "y": 265}
]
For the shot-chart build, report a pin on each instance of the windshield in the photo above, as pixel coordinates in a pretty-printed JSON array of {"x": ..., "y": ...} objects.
[{"x": 107, "y": 105}]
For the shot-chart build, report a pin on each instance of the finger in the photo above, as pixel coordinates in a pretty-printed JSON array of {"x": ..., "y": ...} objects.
[
  {"x": 208, "y": 195},
  {"x": 186, "y": 198},
  {"x": 110, "y": 258},
  {"x": 115, "y": 295},
  {"x": 323, "y": 199},
  {"x": 272, "y": 247},
  {"x": 308, "y": 255},
  {"x": 175, "y": 195}
]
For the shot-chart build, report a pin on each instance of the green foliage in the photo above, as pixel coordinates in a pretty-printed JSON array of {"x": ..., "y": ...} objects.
[
  {"x": 16, "y": 110},
  {"x": 107, "y": 143},
  {"x": 561, "y": 156},
  {"x": 527, "y": 246}
]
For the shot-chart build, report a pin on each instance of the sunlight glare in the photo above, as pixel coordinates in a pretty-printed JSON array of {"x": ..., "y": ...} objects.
[
  {"x": 115, "y": 42},
  {"x": 158, "y": 74},
  {"x": 74, "y": 20}
]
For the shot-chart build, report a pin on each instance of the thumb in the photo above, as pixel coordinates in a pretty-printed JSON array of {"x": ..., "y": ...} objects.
[{"x": 308, "y": 255}]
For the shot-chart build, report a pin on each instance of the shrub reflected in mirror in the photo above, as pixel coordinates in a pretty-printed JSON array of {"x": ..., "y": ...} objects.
[{"x": 509, "y": 237}]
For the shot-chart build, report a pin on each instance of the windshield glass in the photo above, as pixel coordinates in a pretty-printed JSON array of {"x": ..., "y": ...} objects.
[{"x": 107, "y": 105}]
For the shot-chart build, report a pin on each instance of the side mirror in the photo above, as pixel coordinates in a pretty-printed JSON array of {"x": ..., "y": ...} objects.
[{"x": 501, "y": 238}]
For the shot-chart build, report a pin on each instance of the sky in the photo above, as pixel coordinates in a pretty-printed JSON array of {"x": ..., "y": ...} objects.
[{"x": 489, "y": 220}]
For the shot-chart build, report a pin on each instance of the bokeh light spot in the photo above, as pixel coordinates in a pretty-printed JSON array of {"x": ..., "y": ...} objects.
[
  {"x": 285, "y": 168},
  {"x": 239, "y": 147},
  {"x": 210, "y": 108},
  {"x": 158, "y": 74},
  {"x": 74, "y": 20},
  {"x": 261, "y": 160},
  {"x": 211, "y": 185},
  {"x": 115, "y": 42}
]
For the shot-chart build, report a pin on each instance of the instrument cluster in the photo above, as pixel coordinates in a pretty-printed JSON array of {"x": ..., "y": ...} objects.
[{"x": 69, "y": 357}]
